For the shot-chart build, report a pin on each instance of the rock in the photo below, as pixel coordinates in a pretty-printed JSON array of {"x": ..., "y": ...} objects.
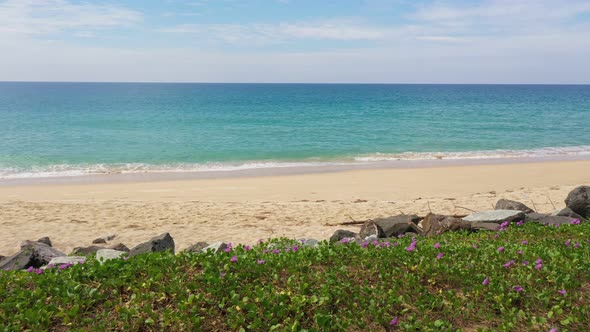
[
  {"x": 484, "y": 226},
  {"x": 32, "y": 253},
  {"x": 216, "y": 247},
  {"x": 197, "y": 247},
  {"x": 554, "y": 220},
  {"x": 578, "y": 200},
  {"x": 397, "y": 225},
  {"x": 506, "y": 204},
  {"x": 567, "y": 212},
  {"x": 85, "y": 251},
  {"x": 71, "y": 260},
  {"x": 159, "y": 243},
  {"x": 434, "y": 224},
  {"x": 99, "y": 241},
  {"x": 104, "y": 255},
  {"x": 45, "y": 240},
  {"x": 370, "y": 228},
  {"x": 119, "y": 247},
  {"x": 310, "y": 242},
  {"x": 535, "y": 216},
  {"x": 341, "y": 234},
  {"x": 495, "y": 216}
]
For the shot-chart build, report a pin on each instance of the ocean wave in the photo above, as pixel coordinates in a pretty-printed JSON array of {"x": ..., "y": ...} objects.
[{"x": 70, "y": 170}]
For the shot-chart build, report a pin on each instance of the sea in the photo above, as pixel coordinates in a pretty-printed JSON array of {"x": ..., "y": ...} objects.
[{"x": 76, "y": 129}]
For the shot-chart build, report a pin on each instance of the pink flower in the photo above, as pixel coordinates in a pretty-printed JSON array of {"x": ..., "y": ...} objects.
[
  {"x": 562, "y": 291},
  {"x": 474, "y": 246},
  {"x": 261, "y": 261},
  {"x": 496, "y": 235},
  {"x": 525, "y": 242},
  {"x": 64, "y": 266},
  {"x": 575, "y": 222},
  {"x": 30, "y": 269},
  {"x": 577, "y": 245},
  {"x": 222, "y": 274},
  {"x": 486, "y": 281},
  {"x": 228, "y": 249},
  {"x": 365, "y": 244},
  {"x": 539, "y": 261},
  {"x": 260, "y": 240},
  {"x": 518, "y": 288},
  {"x": 412, "y": 246},
  {"x": 568, "y": 242},
  {"x": 539, "y": 266},
  {"x": 519, "y": 252},
  {"x": 394, "y": 321},
  {"x": 233, "y": 259},
  {"x": 275, "y": 251},
  {"x": 295, "y": 248},
  {"x": 344, "y": 240},
  {"x": 520, "y": 223},
  {"x": 437, "y": 245},
  {"x": 525, "y": 263},
  {"x": 440, "y": 255},
  {"x": 39, "y": 271},
  {"x": 247, "y": 248},
  {"x": 500, "y": 249},
  {"x": 509, "y": 264},
  {"x": 553, "y": 329}
]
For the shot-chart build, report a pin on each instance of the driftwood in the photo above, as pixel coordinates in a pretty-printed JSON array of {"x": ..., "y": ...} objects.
[{"x": 360, "y": 222}]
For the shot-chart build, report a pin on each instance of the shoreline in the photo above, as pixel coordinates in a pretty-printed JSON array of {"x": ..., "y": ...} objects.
[
  {"x": 245, "y": 209},
  {"x": 328, "y": 167}
]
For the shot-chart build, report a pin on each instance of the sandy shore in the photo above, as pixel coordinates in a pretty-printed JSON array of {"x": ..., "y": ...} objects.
[{"x": 242, "y": 210}]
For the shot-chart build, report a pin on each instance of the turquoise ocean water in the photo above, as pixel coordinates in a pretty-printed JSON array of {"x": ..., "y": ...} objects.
[{"x": 60, "y": 129}]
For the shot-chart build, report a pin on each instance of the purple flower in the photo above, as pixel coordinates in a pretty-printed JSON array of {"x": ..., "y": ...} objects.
[
  {"x": 539, "y": 261},
  {"x": 265, "y": 251},
  {"x": 344, "y": 240},
  {"x": 260, "y": 240},
  {"x": 553, "y": 329},
  {"x": 228, "y": 249},
  {"x": 518, "y": 288},
  {"x": 509, "y": 264},
  {"x": 486, "y": 281},
  {"x": 556, "y": 225},
  {"x": 500, "y": 249},
  {"x": 519, "y": 252},
  {"x": 562, "y": 291},
  {"x": 302, "y": 241},
  {"x": 395, "y": 244},
  {"x": 504, "y": 225},
  {"x": 437, "y": 245},
  {"x": 30, "y": 269},
  {"x": 247, "y": 248},
  {"x": 520, "y": 223},
  {"x": 525, "y": 242},
  {"x": 261, "y": 261},
  {"x": 525, "y": 263},
  {"x": 275, "y": 251},
  {"x": 412, "y": 246},
  {"x": 365, "y": 244},
  {"x": 496, "y": 235},
  {"x": 64, "y": 266},
  {"x": 575, "y": 222},
  {"x": 39, "y": 271},
  {"x": 539, "y": 266},
  {"x": 440, "y": 255},
  {"x": 295, "y": 248},
  {"x": 568, "y": 242},
  {"x": 474, "y": 246},
  {"x": 287, "y": 249},
  {"x": 401, "y": 235},
  {"x": 375, "y": 242},
  {"x": 385, "y": 244},
  {"x": 222, "y": 274},
  {"x": 577, "y": 245},
  {"x": 233, "y": 259},
  {"x": 394, "y": 321}
]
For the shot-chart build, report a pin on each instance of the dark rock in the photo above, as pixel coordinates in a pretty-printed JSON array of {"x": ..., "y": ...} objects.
[
  {"x": 120, "y": 247},
  {"x": 554, "y": 220},
  {"x": 434, "y": 224},
  {"x": 578, "y": 200},
  {"x": 484, "y": 226},
  {"x": 45, "y": 240},
  {"x": 495, "y": 216},
  {"x": 535, "y": 216},
  {"x": 341, "y": 234},
  {"x": 567, "y": 212},
  {"x": 197, "y": 247},
  {"x": 85, "y": 251},
  {"x": 370, "y": 228},
  {"x": 100, "y": 240},
  {"x": 397, "y": 225},
  {"x": 159, "y": 243},
  {"x": 33, "y": 254},
  {"x": 506, "y": 204}
]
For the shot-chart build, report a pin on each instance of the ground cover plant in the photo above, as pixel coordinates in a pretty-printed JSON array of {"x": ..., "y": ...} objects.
[{"x": 523, "y": 277}]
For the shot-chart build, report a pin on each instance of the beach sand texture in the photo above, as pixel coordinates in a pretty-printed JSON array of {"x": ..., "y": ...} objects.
[{"x": 243, "y": 210}]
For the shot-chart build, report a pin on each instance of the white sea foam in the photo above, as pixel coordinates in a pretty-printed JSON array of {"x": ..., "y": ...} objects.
[{"x": 66, "y": 170}]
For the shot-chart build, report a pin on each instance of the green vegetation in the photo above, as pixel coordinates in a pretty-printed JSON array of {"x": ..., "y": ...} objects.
[{"x": 384, "y": 287}]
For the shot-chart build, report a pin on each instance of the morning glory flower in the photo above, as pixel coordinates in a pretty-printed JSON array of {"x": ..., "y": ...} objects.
[
  {"x": 500, "y": 249},
  {"x": 562, "y": 291},
  {"x": 30, "y": 269},
  {"x": 525, "y": 263},
  {"x": 577, "y": 245},
  {"x": 234, "y": 259},
  {"x": 247, "y": 248},
  {"x": 568, "y": 242},
  {"x": 518, "y": 288},
  {"x": 275, "y": 251},
  {"x": 539, "y": 266},
  {"x": 520, "y": 223},
  {"x": 486, "y": 281},
  {"x": 394, "y": 321},
  {"x": 412, "y": 246},
  {"x": 474, "y": 246},
  {"x": 440, "y": 255},
  {"x": 437, "y": 245},
  {"x": 525, "y": 242},
  {"x": 575, "y": 222},
  {"x": 509, "y": 264},
  {"x": 261, "y": 261},
  {"x": 39, "y": 271}
]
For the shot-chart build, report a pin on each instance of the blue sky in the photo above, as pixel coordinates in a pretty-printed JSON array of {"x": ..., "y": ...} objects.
[{"x": 373, "y": 41}]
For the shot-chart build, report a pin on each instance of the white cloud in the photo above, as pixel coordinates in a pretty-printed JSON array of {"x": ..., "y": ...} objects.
[{"x": 33, "y": 17}]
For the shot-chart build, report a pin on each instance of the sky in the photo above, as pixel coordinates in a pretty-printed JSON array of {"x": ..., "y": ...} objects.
[{"x": 313, "y": 41}]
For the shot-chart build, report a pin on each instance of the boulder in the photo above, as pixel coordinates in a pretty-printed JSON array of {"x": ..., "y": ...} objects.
[
  {"x": 310, "y": 242},
  {"x": 120, "y": 247},
  {"x": 535, "y": 216},
  {"x": 159, "y": 243},
  {"x": 46, "y": 240},
  {"x": 71, "y": 260},
  {"x": 370, "y": 228},
  {"x": 506, "y": 204},
  {"x": 197, "y": 247},
  {"x": 495, "y": 216},
  {"x": 484, "y": 226},
  {"x": 216, "y": 247},
  {"x": 554, "y": 220},
  {"x": 397, "y": 225},
  {"x": 578, "y": 200},
  {"x": 567, "y": 212},
  {"x": 104, "y": 255},
  {"x": 100, "y": 240},
  {"x": 32, "y": 253},
  {"x": 341, "y": 234},
  {"x": 85, "y": 251},
  {"x": 434, "y": 224}
]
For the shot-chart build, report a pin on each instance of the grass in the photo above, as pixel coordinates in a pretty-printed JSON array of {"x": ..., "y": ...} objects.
[{"x": 281, "y": 285}]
